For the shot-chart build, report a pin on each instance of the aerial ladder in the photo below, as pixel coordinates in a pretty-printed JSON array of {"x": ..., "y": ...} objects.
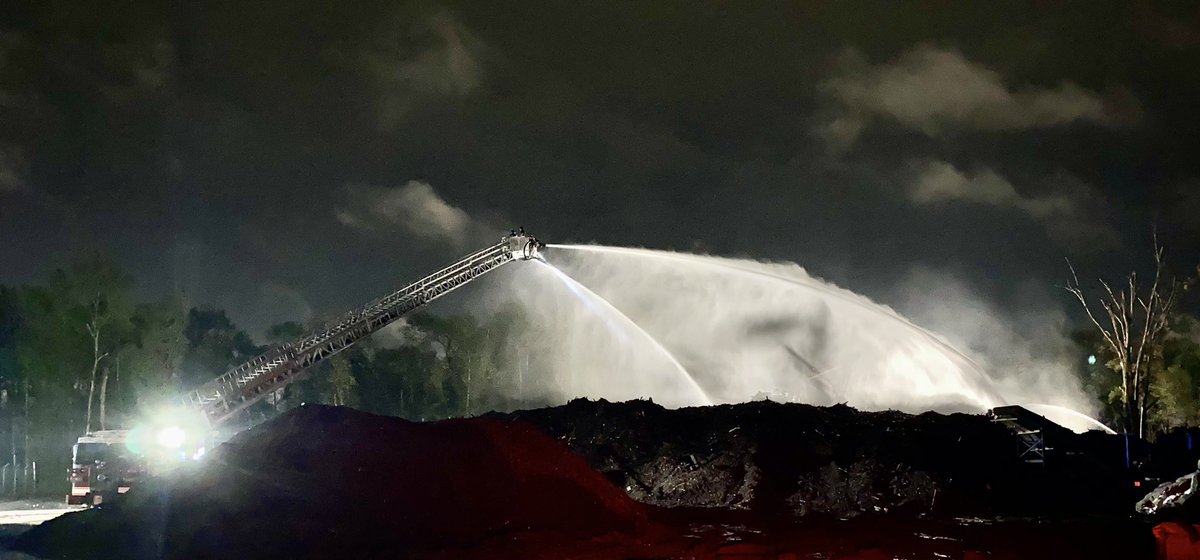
[
  {"x": 221, "y": 399},
  {"x": 101, "y": 467}
]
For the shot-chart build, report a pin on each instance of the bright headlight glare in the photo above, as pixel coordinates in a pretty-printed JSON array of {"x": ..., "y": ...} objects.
[{"x": 171, "y": 437}]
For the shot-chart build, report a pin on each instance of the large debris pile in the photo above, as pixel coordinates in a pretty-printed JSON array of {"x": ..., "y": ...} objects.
[
  {"x": 836, "y": 461},
  {"x": 323, "y": 482},
  {"x": 333, "y": 482}
]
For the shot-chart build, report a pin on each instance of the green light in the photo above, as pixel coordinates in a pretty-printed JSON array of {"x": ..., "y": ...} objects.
[
  {"x": 1092, "y": 360},
  {"x": 135, "y": 441}
]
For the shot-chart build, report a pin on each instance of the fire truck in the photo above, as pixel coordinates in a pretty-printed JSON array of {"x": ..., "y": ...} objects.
[
  {"x": 101, "y": 464},
  {"x": 107, "y": 463}
]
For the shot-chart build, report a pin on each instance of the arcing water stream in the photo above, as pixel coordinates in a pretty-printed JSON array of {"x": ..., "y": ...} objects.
[
  {"x": 606, "y": 311},
  {"x": 716, "y": 330}
]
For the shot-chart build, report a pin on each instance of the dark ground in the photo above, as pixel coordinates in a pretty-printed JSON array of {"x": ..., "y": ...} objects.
[{"x": 756, "y": 480}]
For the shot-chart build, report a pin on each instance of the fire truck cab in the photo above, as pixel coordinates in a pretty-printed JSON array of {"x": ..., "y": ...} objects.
[
  {"x": 102, "y": 466},
  {"x": 106, "y": 463}
]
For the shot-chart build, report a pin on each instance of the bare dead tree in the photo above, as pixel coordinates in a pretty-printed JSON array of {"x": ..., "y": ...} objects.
[
  {"x": 94, "y": 326},
  {"x": 1134, "y": 330},
  {"x": 104, "y": 391}
]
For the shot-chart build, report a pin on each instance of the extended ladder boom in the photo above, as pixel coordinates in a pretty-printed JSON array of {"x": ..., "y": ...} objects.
[{"x": 242, "y": 386}]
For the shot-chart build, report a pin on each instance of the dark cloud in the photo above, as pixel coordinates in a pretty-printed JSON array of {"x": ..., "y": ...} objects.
[
  {"x": 13, "y": 170},
  {"x": 226, "y": 147},
  {"x": 413, "y": 210},
  {"x": 1071, "y": 211},
  {"x": 447, "y": 65},
  {"x": 932, "y": 90}
]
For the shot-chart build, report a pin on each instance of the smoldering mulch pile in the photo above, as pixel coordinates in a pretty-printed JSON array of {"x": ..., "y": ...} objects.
[
  {"x": 800, "y": 460},
  {"x": 323, "y": 482},
  {"x": 755, "y": 480}
]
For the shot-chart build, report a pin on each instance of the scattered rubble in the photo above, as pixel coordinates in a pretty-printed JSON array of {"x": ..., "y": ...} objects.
[
  {"x": 1175, "y": 498},
  {"x": 864, "y": 486}
]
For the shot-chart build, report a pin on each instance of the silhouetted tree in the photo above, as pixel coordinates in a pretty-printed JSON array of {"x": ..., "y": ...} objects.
[{"x": 1134, "y": 326}]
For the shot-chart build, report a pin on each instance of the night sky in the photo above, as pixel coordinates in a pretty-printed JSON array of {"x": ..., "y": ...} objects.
[{"x": 283, "y": 160}]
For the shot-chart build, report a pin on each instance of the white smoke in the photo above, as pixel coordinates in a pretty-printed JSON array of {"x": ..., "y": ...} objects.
[{"x": 1023, "y": 347}]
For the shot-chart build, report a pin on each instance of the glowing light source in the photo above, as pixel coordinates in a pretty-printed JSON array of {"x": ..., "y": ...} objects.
[
  {"x": 171, "y": 437},
  {"x": 1092, "y": 360}
]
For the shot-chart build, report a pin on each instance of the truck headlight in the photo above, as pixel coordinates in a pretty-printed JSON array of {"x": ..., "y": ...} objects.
[{"x": 171, "y": 437}]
